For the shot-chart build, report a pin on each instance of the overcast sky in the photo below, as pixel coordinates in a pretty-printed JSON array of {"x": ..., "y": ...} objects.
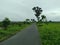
[{"x": 19, "y": 10}]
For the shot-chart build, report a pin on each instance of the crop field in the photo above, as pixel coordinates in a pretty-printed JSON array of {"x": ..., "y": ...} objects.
[
  {"x": 11, "y": 30},
  {"x": 49, "y": 33}
]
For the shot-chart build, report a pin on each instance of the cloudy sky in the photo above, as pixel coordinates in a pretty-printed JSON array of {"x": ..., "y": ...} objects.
[{"x": 19, "y": 10}]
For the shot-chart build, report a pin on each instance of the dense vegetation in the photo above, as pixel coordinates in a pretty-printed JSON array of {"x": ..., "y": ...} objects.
[
  {"x": 49, "y": 33},
  {"x": 11, "y": 30},
  {"x": 8, "y": 28}
]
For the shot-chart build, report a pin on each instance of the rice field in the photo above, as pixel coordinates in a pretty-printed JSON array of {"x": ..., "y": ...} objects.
[{"x": 49, "y": 33}]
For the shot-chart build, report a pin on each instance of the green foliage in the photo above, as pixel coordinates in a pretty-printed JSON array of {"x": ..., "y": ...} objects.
[
  {"x": 11, "y": 30},
  {"x": 43, "y": 18},
  {"x": 33, "y": 20},
  {"x": 5, "y": 23},
  {"x": 50, "y": 34},
  {"x": 27, "y": 20},
  {"x": 38, "y": 12}
]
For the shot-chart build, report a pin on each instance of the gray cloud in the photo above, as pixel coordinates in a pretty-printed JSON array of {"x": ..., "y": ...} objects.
[{"x": 19, "y": 10}]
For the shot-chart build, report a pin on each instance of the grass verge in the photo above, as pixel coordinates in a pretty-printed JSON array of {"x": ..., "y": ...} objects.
[
  {"x": 12, "y": 30},
  {"x": 49, "y": 34}
]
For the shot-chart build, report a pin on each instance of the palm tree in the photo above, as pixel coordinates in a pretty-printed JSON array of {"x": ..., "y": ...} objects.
[
  {"x": 43, "y": 17},
  {"x": 38, "y": 12}
]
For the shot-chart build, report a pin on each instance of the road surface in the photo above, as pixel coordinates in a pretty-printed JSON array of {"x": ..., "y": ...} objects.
[{"x": 28, "y": 36}]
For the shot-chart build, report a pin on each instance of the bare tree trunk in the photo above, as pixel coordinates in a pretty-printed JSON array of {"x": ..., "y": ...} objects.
[{"x": 38, "y": 19}]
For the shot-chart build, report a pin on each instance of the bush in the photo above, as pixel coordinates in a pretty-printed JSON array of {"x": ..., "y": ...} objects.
[{"x": 5, "y": 23}]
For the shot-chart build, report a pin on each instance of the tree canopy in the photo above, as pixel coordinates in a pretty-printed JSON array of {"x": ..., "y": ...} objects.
[{"x": 37, "y": 11}]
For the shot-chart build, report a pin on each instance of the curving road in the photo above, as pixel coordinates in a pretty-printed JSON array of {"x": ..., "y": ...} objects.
[{"x": 28, "y": 36}]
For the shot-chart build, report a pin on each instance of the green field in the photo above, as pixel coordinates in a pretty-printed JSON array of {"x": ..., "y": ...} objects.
[
  {"x": 11, "y": 30},
  {"x": 49, "y": 34}
]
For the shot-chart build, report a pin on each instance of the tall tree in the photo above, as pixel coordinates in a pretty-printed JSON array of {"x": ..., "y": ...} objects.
[
  {"x": 43, "y": 17},
  {"x": 27, "y": 20},
  {"x": 33, "y": 20},
  {"x": 5, "y": 23},
  {"x": 37, "y": 11}
]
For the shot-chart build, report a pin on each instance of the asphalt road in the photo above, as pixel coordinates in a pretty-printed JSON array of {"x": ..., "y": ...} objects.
[{"x": 28, "y": 36}]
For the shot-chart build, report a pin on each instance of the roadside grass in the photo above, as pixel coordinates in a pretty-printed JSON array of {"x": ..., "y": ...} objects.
[
  {"x": 49, "y": 34},
  {"x": 12, "y": 30}
]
